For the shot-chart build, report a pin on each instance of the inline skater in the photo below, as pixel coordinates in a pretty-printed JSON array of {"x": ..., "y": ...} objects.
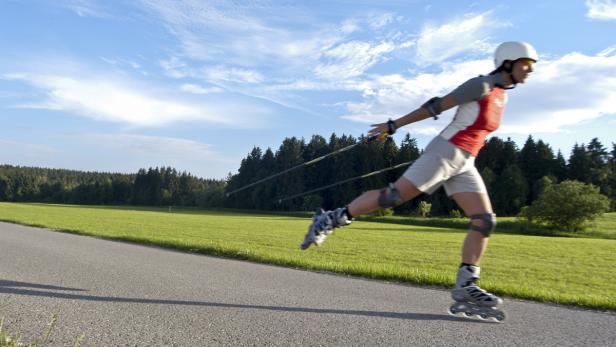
[{"x": 448, "y": 161}]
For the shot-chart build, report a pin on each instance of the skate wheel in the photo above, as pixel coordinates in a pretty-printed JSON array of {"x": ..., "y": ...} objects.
[
  {"x": 453, "y": 310},
  {"x": 468, "y": 313},
  {"x": 483, "y": 316},
  {"x": 500, "y": 317}
]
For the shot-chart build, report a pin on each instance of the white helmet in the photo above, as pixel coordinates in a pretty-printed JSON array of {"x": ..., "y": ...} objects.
[{"x": 514, "y": 50}]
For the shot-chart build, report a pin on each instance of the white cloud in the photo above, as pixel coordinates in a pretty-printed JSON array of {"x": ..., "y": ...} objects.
[
  {"x": 439, "y": 43},
  {"x": 563, "y": 92},
  {"x": 391, "y": 96},
  {"x": 197, "y": 89},
  {"x": 106, "y": 99},
  {"x": 560, "y": 93},
  {"x": 601, "y": 9}
]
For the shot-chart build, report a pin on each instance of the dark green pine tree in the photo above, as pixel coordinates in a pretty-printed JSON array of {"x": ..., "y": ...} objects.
[
  {"x": 599, "y": 169},
  {"x": 342, "y": 166},
  {"x": 612, "y": 166},
  {"x": 560, "y": 167},
  {"x": 528, "y": 158},
  {"x": 543, "y": 165},
  {"x": 140, "y": 188},
  {"x": 6, "y": 188},
  {"x": 408, "y": 149},
  {"x": 263, "y": 195},
  {"x": 579, "y": 164},
  {"x": 489, "y": 178},
  {"x": 155, "y": 183},
  {"x": 289, "y": 155},
  {"x": 509, "y": 194},
  {"x": 318, "y": 174},
  {"x": 245, "y": 176},
  {"x": 491, "y": 155},
  {"x": 390, "y": 153},
  {"x": 121, "y": 190}
]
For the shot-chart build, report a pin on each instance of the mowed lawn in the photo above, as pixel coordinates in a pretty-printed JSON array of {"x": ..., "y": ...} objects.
[{"x": 577, "y": 271}]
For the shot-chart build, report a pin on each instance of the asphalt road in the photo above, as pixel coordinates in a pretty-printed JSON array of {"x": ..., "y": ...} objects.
[{"x": 121, "y": 294}]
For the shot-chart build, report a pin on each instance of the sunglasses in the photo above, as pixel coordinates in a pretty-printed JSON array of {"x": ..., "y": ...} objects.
[{"x": 526, "y": 61}]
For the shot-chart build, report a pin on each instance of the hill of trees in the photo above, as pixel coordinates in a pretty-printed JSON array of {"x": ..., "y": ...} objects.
[
  {"x": 514, "y": 177},
  {"x": 152, "y": 187}
]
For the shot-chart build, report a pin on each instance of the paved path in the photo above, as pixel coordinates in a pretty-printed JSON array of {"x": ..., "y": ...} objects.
[{"x": 122, "y": 294}]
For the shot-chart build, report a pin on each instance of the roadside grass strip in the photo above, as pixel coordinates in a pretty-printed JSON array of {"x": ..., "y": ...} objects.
[{"x": 564, "y": 270}]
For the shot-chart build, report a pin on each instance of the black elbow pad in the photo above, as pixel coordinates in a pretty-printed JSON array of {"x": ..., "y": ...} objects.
[{"x": 433, "y": 106}]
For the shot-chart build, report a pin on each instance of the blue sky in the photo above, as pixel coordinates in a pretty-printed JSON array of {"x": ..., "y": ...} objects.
[{"x": 119, "y": 85}]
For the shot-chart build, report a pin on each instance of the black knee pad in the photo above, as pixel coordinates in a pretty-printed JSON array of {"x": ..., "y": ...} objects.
[
  {"x": 489, "y": 223},
  {"x": 389, "y": 197}
]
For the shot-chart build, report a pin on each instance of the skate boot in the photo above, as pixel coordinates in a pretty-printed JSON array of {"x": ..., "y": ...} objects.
[
  {"x": 471, "y": 300},
  {"x": 323, "y": 224}
]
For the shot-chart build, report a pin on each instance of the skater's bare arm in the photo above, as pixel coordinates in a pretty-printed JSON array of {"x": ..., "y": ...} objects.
[{"x": 417, "y": 115}]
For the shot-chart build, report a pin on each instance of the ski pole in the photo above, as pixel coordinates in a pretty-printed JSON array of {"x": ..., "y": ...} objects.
[
  {"x": 310, "y": 162},
  {"x": 345, "y": 181}
]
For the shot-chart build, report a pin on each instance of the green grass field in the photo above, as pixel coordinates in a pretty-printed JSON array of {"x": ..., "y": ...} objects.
[
  {"x": 604, "y": 227},
  {"x": 578, "y": 271}
]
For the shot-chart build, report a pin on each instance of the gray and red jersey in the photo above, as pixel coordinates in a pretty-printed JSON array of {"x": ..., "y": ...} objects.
[{"x": 482, "y": 100}]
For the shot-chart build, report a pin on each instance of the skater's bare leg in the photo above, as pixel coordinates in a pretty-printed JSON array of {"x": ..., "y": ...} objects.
[
  {"x": 475, "y": 243},
  {"x": 468, "y": 296},
  {"x": 369, "y": 201}
]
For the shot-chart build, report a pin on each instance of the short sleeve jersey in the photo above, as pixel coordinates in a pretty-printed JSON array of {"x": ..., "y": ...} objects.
[{"x": 482, "y": 100}]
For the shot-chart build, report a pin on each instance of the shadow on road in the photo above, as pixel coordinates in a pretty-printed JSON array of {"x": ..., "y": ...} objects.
[
  {"x": 13, "y": 289},
  {"x": 5, "y": 283}
]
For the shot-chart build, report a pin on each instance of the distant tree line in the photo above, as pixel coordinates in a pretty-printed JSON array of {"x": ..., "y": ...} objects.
[
  {"x": 153, "y": 187},
  {"x": 514, "y": 177}
]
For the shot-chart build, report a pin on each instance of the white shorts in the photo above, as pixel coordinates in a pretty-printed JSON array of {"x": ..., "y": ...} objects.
[{"x": 442, "y": 163}]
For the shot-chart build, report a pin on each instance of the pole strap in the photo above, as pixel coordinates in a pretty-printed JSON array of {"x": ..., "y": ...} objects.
[
  {"x": 310, "y": 162},
  {"x": 397, "y": 166}
]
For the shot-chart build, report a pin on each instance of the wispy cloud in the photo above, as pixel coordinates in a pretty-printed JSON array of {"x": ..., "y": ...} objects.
[
  {"x": 252, "y": 38},
  {"x": 142, "y": 151},
  {"x": 352, "y": 59},
  {"x": 470, "y": 34},
  {"x": 607, "y": 52},
  {"x": 114, "y": 100},
  {"x": 245, "y": 35},
  {"x": 232, "y": 74},
  {"x": 601, "y": 9},
  {"x": 154, "y": 146},
  {"x": 118, "y": 153},
  {"x": 29, "y": 150},
  {"x": 84, "y": 8}
]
